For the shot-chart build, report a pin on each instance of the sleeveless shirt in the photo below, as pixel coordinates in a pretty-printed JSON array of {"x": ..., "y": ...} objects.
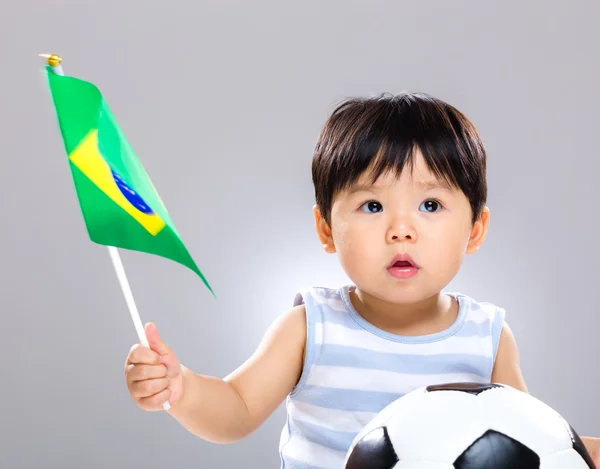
[{"x": 352, "y": 370}]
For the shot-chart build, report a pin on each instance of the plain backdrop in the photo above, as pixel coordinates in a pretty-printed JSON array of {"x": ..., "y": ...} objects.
[{"x": 222, "y": 102}]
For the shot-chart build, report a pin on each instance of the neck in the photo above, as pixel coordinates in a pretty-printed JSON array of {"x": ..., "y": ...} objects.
[{"x": 426, "y": 316}]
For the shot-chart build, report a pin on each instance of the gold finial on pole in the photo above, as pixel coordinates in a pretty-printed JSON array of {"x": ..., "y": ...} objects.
[{"x": 52, "y": 59}]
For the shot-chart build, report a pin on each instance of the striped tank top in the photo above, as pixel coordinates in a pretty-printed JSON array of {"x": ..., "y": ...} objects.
[{"x": 352, "y": 370}]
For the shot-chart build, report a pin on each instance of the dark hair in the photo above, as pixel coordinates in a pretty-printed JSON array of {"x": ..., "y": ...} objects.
[{"x": 381, "y": 133}]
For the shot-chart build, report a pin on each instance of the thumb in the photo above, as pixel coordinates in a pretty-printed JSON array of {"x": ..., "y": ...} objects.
[{"x": 155, "y": 342}]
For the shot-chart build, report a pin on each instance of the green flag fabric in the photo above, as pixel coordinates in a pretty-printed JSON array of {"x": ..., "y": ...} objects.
[{"x": 119, "y": 203}]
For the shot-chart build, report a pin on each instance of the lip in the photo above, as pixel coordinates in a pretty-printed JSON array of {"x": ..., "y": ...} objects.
[
  {"x": 403, "y": 258},
  {"x": 403, "y": 272}
]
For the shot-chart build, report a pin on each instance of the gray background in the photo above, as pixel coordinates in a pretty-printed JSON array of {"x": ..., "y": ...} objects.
[{"x": 222, "y": 102}]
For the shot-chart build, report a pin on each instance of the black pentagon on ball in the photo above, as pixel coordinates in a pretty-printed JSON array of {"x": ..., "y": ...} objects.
[
  {"x": 579, "y": 446},
  {"x": 471, "y": 388},
  {"x": 498, "y": 451},
  {"x": 373, "y": 451}
]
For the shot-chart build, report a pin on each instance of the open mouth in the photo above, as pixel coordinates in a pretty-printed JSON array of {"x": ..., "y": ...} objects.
[
  {"x": 403, "y": 266},
  {"x": 403, "y": 260}
]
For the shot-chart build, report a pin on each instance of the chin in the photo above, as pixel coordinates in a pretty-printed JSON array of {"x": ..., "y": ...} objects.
[
  {"x": 403, "y": 294},
  {"x": 399, "y": 292}
]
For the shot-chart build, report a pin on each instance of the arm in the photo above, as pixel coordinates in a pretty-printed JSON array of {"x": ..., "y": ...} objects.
[
  {"x": 227, "y": 410},
  {"x": 507, "y": 370}
]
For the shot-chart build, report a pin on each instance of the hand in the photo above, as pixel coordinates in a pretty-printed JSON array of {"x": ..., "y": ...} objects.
[{"x": 153, "y": 375}]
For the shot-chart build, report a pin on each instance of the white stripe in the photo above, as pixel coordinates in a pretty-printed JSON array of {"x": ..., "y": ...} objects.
[
  {"x": 284, "y": 435},
  {"x": 477, "y": 312},
  {"x": 337, "y": 334},
  {"x": 378, "y": 380},
  {"x": 480, "y": 316},
  {"x": 332, "y": 419},
  {"x": 313, "y": 454},
  {"x": 334, "y": 302}
]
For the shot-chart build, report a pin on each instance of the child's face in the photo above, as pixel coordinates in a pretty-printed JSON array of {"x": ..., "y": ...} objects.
[{"x": 415, "y": 215}]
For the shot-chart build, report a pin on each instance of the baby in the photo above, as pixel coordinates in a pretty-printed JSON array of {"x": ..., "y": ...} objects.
[{"x": 400, "y": 187}]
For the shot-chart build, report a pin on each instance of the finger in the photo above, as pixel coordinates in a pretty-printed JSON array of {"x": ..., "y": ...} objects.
[
  {"x": 142, "y": 372},
  {"x": 156, "y": 401},
  {"x": 155, "y": 341},
  {"x": 142, "y": 355},
  {"x": 148, "y": 387}
]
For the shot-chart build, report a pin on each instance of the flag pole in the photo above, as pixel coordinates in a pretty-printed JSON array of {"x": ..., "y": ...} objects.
[{"x": 55, "y": 62}]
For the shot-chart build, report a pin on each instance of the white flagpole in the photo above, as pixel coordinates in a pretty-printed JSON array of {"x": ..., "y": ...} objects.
[{"x": 55, "y": 62}]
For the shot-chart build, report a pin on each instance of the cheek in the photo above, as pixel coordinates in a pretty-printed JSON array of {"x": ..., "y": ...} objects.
[
  {"x": 449, "y": 243},
  {"x": 355, "y": 246},
  {"x": 346, "y": 239}
]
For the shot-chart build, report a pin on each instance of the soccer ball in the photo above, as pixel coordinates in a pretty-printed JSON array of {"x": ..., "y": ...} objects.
[{"x": 468, "y": 426}]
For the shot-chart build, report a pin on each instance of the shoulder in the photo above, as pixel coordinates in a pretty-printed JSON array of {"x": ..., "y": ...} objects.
[
  {"x": 319, "y": 295},
  {"x": 291, "y": 324},
  {"x": 485, "y": 316},
  {"x": 484, "y": 319},
  {"x": 480, "y": 310},
  {"x": 308, "y": 304}
]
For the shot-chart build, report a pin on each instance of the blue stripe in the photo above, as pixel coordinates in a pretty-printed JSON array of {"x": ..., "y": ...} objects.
[
  {"x": 347, "y": 399},
  {"x": 364, "y": 359},
  {"x": 468, "y": 329},
  {"x": 332, "y": 439},
  {"x": 294, "y": 464}
]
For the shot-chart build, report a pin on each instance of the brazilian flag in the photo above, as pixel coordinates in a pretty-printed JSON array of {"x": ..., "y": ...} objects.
[{"x": 120, "y": 206}]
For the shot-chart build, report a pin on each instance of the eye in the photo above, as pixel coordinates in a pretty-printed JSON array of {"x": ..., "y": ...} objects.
[
  {"x": 371, "y": 207},
  {"x": 431, "y": 206}
]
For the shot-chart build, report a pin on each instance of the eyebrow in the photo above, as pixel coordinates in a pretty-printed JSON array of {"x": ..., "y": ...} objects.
[
  {"x": 364, "y": 188},
  {"x": 425, "y": 185},
  {"x": 435, "y": 184}
]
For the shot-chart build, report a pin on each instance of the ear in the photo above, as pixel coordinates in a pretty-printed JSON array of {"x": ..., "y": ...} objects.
[
  {"x": 479, "y": 231},
  {"x": 323, "y": 231}
]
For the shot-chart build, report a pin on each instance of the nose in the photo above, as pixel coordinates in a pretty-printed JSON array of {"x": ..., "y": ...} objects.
[{"x": 401, "y": 231}]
